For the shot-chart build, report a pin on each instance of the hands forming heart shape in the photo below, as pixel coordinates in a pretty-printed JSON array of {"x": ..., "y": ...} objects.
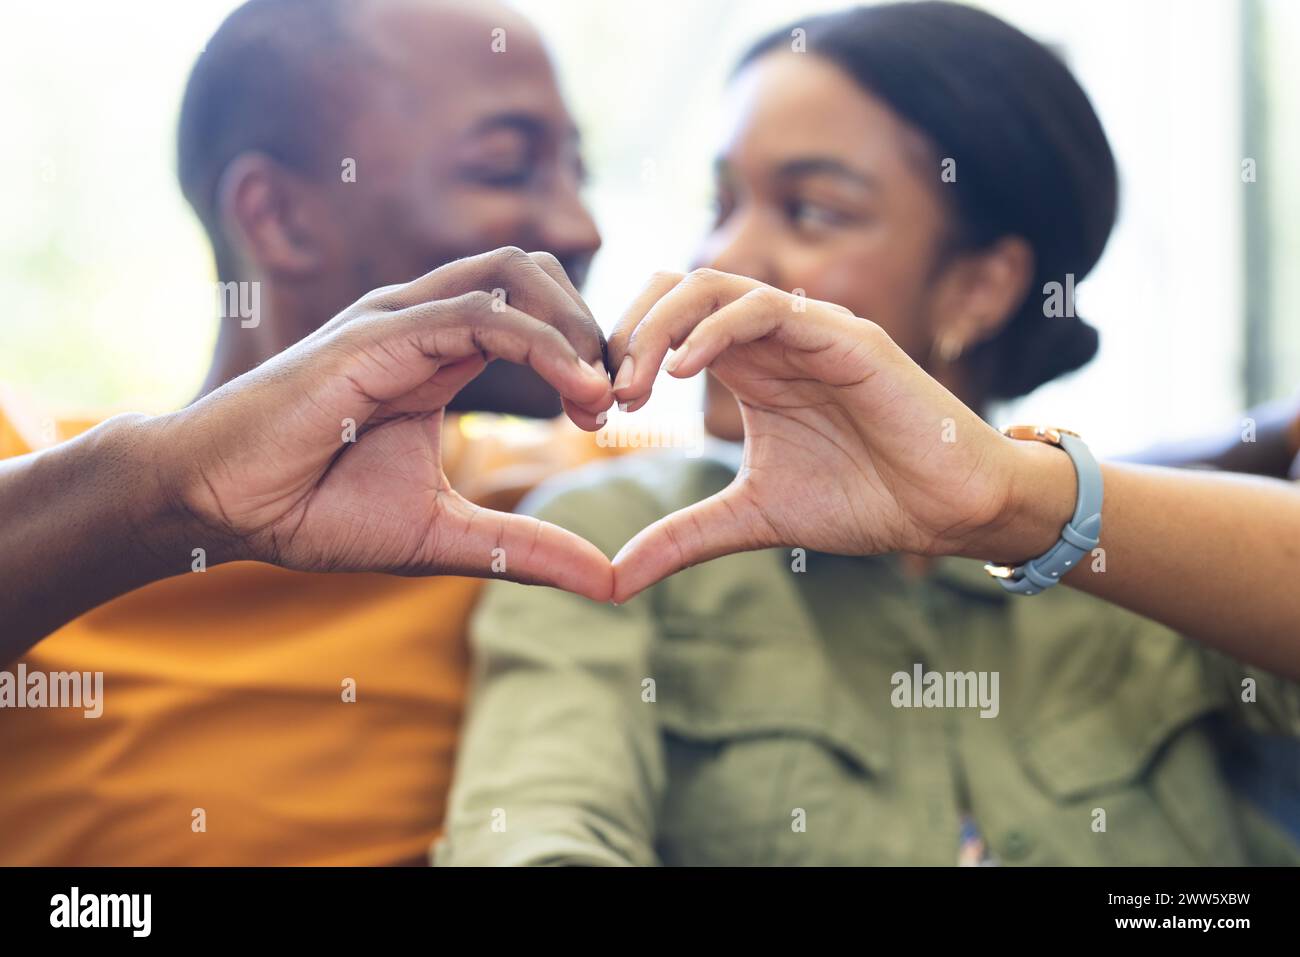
[{"x": 327, "y": 457}]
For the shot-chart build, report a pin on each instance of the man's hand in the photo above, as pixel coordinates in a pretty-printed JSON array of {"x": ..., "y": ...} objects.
[{"x": 327, "y": 457}]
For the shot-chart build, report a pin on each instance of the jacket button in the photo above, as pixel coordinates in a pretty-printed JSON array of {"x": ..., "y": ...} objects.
[{"x": 1016, "y": 845}]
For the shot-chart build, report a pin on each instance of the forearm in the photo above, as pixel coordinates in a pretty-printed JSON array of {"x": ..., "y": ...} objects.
[
  {"x": 1215, "y": 557},
  {"x": 80, "y": 524}
]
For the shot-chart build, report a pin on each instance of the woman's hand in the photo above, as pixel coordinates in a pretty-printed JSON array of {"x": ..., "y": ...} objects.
[
  {"x": 327, "y": 457},
  {"x": 850, "y": 447}
]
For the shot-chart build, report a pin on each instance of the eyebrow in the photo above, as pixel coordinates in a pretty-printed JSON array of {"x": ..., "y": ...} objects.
[{"x": 824, "y": 166}]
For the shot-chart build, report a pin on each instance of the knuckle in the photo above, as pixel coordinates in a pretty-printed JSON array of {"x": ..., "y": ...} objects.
[
  {"x": 385, "y": 298},
  {"x": 548, "y": 261},
  {"x": 665, "y": 277},
  {"x": 511, "y": 255},
  {"x": 479, "y": 300},
  {"x": 505, "y": 259},
  {"x": 871, "y": 330},
  {"x": 766, "y": 297},
  {"x": 704, "y": 275}
]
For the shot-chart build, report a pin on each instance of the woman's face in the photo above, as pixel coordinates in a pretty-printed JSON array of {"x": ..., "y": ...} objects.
[{"x": 820, "y": 187}]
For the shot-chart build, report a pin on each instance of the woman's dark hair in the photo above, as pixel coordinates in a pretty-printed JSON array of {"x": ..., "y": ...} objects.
[{"x": 1031, "y": 157}]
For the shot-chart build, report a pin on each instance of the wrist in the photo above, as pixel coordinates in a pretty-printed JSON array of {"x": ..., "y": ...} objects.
[
  {"x": 106, "y": 524},
  {"x": 138, "y": 468},
  {"x": 174, "y": 489},
  {"x": 159, "y": 473},
  {"x": 1040, "y": 497}
]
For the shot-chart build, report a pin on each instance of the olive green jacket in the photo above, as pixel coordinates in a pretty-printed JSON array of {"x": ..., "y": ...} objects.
[{"x": 757, "y": 710}]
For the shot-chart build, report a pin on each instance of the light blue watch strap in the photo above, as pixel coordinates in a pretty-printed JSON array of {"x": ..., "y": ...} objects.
[{"x": 1079, "y": 536}]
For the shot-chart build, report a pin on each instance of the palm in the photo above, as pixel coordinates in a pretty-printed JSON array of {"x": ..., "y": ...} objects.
[
  {"x": 849, "y": 446},
  {"x": 327, "y": 457},
  {"x": 357, "y": 484},
  {"x": 811, "y": 477},
  {"x": 383, "y": 503}
]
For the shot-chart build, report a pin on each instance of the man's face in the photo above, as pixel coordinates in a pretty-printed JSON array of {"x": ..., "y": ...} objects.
[{"x": 464, "y": 145}]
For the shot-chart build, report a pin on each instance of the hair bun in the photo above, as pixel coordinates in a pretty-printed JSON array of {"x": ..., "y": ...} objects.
[{"x": 1033, "y": 349}]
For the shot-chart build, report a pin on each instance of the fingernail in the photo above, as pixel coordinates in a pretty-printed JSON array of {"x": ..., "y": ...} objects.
[
  {"x": 601, "y": 417},
  {"x": 624, "y": 377},
  {"x": 622, "y": 406},
  {"x": 592, "y": 370},
  {"x": 678, "y": 356}
]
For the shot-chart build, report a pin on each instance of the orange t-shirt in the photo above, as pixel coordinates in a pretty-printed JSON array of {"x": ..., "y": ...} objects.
[{"x": 224, "y": 737}]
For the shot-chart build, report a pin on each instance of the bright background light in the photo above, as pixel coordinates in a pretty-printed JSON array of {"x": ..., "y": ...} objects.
[{"x": 105, "y": 276}]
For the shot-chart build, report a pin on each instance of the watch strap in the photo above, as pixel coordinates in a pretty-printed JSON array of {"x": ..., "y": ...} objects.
[{"x": 1081, "y": 533}]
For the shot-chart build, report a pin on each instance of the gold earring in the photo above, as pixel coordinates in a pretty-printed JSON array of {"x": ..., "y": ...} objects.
[{"x": 948, "y": 348}]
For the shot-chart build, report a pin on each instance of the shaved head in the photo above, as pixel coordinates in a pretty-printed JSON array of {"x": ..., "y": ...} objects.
[
  {"x": 290, "y": 78},
  {"x": 447, "y": 113},
  {"x": 278, "y": 78}
]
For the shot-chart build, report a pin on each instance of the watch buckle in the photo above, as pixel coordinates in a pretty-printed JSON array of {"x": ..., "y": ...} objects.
[{"x": 1036, "y": 433}]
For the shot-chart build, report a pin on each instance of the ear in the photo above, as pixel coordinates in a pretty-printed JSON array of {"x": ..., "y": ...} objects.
[
  {"x": 980, "y": 292},
  {"x": 271, "y": 216}
]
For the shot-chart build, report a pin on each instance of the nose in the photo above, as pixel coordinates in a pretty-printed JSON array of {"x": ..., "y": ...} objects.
[
  {"x": 740, "y": 245},
  {"x": 566, "y": 229}
]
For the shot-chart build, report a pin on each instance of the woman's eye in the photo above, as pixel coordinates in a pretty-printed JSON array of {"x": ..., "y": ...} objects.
[{"x": 814, "y": 216}]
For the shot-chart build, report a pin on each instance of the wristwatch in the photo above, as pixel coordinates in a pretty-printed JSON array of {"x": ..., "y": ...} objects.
[{"x": 1080, "y": 534}]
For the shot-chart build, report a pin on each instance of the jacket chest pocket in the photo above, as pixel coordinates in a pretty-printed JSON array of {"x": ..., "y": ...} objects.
[
  {"x": 766, "y": 755},
  {"x": 1135, "y": 774}
]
